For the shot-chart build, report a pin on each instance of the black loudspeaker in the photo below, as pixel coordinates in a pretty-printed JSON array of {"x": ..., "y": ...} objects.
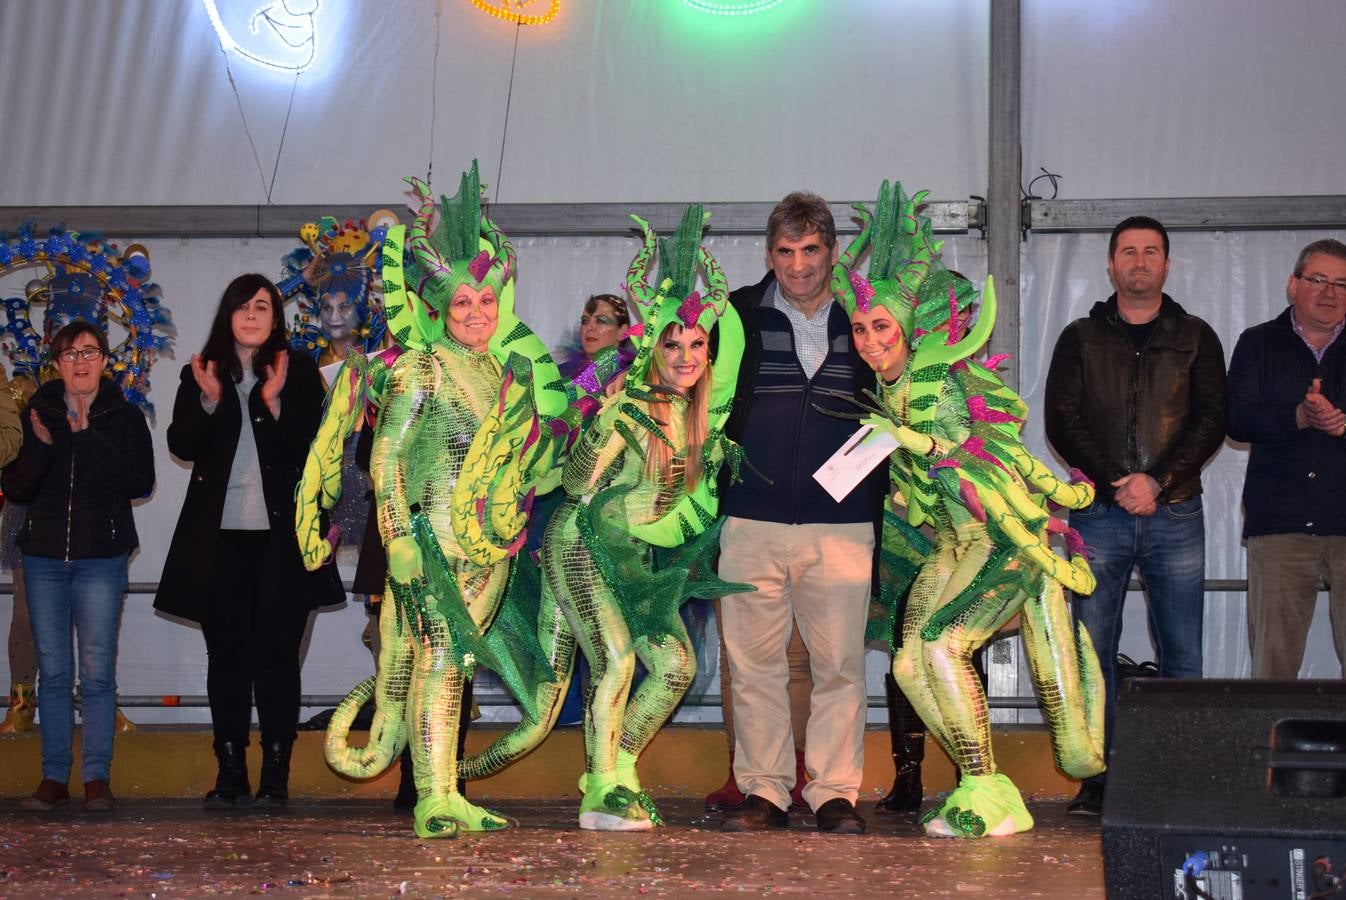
[{"x": 1228, "y": 790}]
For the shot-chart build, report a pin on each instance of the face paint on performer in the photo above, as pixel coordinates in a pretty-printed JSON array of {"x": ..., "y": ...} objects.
[
  {"x": 336, "y": 315},
  {"x": 683, "y": 356},
  {"x": 879, "y": 341},
  {"x": 473, "y": 316}
]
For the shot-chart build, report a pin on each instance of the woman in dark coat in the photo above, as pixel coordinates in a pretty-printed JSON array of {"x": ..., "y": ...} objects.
[
  {"x": 86, "y": 454},
  {"x": 234, "y": 564}
]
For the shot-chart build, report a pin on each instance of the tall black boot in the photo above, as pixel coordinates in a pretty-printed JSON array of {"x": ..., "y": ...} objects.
[
  {"x": 231, "y": 784},
  {"x": 273, "y": 789},
  {"x": 464, "y": 721},
  {"x": 907, "y": 732},
  {"x": 405, "y": 801}
]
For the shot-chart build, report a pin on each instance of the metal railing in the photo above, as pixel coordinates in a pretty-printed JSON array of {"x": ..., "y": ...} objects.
[{"x": 490, "y": 699}]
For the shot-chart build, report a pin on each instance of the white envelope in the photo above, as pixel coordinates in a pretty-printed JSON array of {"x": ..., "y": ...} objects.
[{"x": 857, "y": 458}]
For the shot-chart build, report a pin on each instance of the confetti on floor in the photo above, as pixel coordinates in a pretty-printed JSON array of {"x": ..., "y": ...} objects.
[{"x": 172, "y": 848}]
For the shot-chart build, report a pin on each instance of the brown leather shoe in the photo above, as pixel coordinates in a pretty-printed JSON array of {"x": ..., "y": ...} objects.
[
  {"x": 49, "y": 795},
  {"x": 758, "y": 814},
  {"x": 98, "y": 796}
]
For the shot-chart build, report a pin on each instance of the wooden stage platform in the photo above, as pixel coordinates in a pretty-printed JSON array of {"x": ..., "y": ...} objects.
[
  {"x": 361, "y": 848},
  {"x": 342, "y": 838}
]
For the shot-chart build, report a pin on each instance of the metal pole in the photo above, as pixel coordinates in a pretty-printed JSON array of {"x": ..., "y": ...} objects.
[{"x": 1004, "y": 211}]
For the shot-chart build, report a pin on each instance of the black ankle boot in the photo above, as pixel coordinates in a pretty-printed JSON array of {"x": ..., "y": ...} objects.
[
  {"x": 231, "y": 784},
  {"x": 273, "y": 789},
  {"x": 405, "y": 801},
  {"x": 907, "y": 733}
]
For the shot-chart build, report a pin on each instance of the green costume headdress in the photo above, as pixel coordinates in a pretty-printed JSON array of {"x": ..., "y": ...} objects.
[
  {"x": 465, "y": 248},
  {"x": 676, "y": 299},
  {"x": 906, "y": 274}
]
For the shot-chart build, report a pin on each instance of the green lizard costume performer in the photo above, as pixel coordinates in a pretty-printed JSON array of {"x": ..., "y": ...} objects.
[
  {"x": 961, "y": 467},
  {"x": 457, "y": 448},
  {"x": 643, "y": 476}
]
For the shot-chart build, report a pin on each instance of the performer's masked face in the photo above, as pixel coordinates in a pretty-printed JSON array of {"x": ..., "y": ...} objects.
[
  {"x": 336, "y": 315},
  {"x": 473, "y": 316},
  {"x": 879, "y": 341},
  {"x": 683, "y": 356},
  {"x": 600, "y": 326}
]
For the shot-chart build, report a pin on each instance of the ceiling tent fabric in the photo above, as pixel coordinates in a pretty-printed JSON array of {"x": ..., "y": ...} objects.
[{"x": 130, "y": 101}]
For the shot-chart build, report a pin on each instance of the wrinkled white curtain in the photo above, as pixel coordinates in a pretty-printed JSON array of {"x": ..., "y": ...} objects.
[{"x": 130, "y": 102}]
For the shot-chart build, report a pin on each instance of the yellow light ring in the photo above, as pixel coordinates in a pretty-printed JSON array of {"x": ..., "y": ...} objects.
[{"x": 503, "y": 11}]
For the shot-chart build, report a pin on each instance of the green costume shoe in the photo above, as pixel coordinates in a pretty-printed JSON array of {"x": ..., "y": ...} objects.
[
  {"x": 1023, "y": 819},
  {"x": 981, "y": 806},
  {"x": 626, "y": 777},
  {"x": 444, "y": 817},
  {"x": 609, "y": 805}
]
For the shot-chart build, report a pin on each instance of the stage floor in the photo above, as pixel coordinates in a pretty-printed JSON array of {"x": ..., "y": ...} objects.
[{"x": 152, "y": 848}]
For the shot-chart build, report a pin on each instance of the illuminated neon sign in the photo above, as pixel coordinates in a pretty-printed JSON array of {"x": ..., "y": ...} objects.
[
  {"x": 733, "y": 7},
  {"x": 512, "y": 11},
  {"x": 290, "y": 26}
]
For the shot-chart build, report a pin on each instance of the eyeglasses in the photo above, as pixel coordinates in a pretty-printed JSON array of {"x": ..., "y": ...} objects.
[
  {"x": 88, "y": 354},
  {"x": 600, "y": 321},
  {"x": 1323, "y": 284}
]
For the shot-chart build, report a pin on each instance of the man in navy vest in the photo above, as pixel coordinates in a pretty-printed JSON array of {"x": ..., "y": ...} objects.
[
  {"x": 1287, "y": 384},
  {"x": 810, "y": 557}
]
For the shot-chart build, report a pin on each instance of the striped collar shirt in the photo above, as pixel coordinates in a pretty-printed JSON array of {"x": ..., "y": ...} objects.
[
  {"x": 1317, "y": 354},
  {"x": 810, "y": 333}
]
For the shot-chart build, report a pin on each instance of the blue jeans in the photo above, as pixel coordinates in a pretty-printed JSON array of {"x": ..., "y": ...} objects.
[
  {"x": 88, "y": 595},
  {"x": 1170, "y": 549}
]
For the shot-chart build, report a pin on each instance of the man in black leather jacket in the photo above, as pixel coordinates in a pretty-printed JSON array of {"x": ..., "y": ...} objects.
[{"x": 1136, "y": 398}]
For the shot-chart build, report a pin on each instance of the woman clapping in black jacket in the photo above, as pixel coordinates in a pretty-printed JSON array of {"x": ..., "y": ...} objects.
[{"x": 234, "y": 564}]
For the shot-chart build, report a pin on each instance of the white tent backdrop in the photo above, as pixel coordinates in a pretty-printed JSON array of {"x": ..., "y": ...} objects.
[{"x": 126, "y": 102}]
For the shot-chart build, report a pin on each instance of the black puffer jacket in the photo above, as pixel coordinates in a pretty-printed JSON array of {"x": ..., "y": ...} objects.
[
  {"x": 1111, "y": 410},
  {"x": 79, "y": 487}
]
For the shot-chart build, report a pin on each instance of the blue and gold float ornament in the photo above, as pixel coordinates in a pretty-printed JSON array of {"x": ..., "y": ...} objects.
[
  {"x": 337, "y": 259},
  {"x": 733, "y": 7},
  {"x": 81, "y": 276}
]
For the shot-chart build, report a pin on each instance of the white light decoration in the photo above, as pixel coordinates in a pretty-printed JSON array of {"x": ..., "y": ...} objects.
[
  {"x": 733, "y": 7},
  {"x": 292, "y": 22}
]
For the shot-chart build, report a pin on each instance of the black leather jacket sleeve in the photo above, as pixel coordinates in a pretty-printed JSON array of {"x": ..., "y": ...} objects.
[
  {"x": 1066, "y": 425},
  {"x": 1204, "y": 430}
]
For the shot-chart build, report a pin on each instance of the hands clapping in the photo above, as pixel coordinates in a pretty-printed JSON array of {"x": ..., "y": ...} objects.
[
  {"x": 1318, "y": 412},
  {"x": 275, "y": 382},
  {"x": 207, "y": 379}
]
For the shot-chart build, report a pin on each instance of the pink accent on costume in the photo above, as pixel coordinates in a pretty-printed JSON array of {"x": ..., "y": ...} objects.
[
  {"x": 480, "y": 266},
  {"x": 690, "y": 310},
  {"x": 968, "y": 494},
  {"x": 980, "y": 412},
  {"x": 975, "y": 446},
  {"x": 864, "y": 291}
]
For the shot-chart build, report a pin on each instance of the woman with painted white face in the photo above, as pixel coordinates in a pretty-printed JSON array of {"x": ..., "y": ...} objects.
[
  {"x": 86, "y": 454},
  {"x": 246, "y": 411}
]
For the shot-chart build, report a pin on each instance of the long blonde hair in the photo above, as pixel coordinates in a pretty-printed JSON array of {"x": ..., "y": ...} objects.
[{"x": 658, "y": 455}]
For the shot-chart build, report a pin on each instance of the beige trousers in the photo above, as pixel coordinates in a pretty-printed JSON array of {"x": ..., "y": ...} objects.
[
  {"x": 800, "y": 687},
  {"x": 1283, "y": 574},
  {"x": 817, "y": 576}
]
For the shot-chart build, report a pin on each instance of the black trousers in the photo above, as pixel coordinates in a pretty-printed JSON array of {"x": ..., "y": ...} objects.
[{"x": 253, "y": 630}]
